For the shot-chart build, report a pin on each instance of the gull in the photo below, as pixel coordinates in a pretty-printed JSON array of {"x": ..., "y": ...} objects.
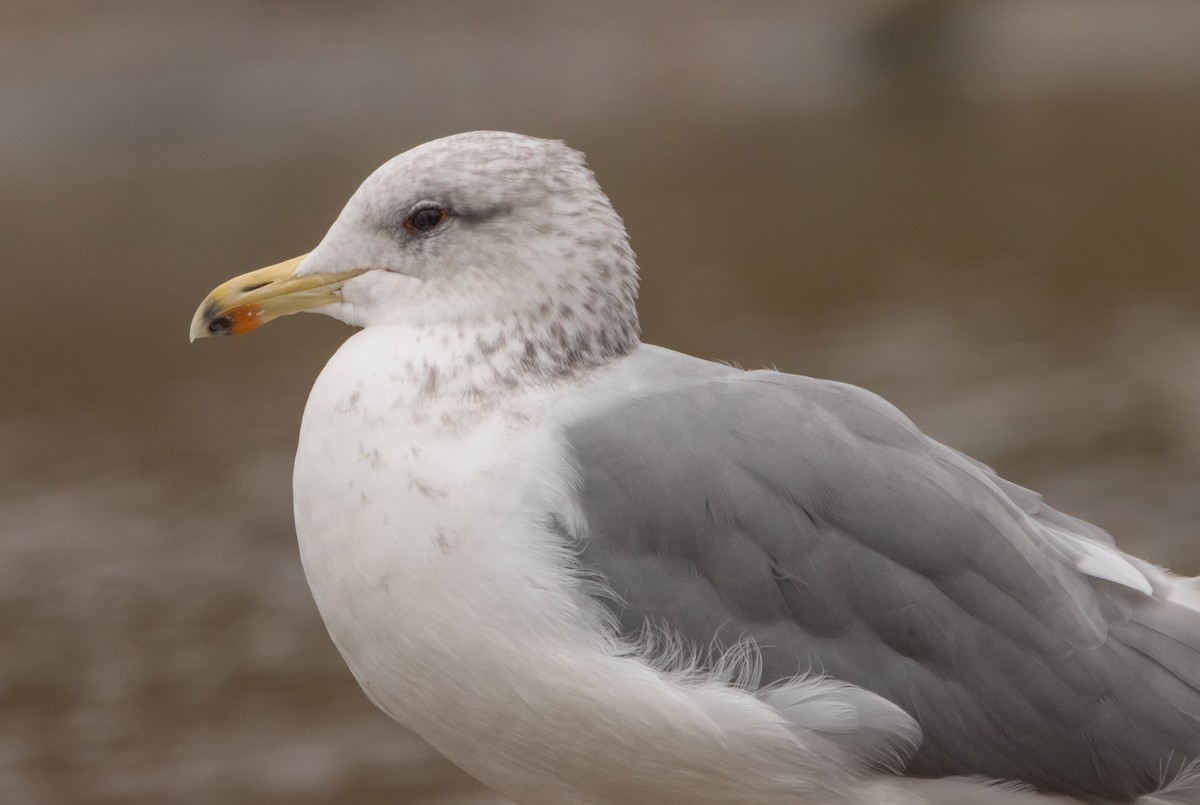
[{"x": 591, "y": 570}]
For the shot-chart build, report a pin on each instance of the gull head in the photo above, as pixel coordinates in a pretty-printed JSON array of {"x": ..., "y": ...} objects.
[{"x": 478, "y": 229}]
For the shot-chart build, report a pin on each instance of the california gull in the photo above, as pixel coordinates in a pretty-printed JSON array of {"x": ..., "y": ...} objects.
[{"x": 589, "y": 570}]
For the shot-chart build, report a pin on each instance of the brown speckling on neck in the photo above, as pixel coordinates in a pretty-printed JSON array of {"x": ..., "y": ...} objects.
[
  {"x": 531, "y": 281},
  {"x": 430, "y": 384}
]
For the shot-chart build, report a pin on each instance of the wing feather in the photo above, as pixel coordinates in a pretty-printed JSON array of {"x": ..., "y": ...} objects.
[{"x": 817, "y": 520}]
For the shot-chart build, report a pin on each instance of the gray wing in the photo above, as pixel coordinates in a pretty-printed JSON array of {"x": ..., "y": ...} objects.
[{"x": 816, "y": 519}]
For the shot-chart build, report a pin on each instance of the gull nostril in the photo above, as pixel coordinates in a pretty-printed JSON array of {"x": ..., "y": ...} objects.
[{"x": 255, "y": 286}]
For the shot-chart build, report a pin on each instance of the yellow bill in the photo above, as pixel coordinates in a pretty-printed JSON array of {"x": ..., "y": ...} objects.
[{"x": 247, "y": 302}]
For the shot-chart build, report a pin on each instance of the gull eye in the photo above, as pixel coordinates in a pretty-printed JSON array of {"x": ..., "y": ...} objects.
[{"x": 425, "y": 219}]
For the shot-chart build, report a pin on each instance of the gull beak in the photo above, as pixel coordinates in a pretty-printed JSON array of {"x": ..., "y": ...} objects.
[{"x": 247, "y": 302}]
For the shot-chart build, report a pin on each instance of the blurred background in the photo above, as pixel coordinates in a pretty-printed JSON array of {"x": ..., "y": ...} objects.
[{"x": 988, "y": 212}]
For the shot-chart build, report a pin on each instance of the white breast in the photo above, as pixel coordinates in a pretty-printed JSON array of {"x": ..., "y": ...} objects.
[{"x": 413, "y": 515}]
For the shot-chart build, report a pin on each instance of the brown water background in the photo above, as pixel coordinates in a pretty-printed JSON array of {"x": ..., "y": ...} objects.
[{"x": 988, "y": 212}]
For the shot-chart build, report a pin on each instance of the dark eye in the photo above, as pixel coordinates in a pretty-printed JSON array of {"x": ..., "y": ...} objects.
[{"x": 425, "y": 219}]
